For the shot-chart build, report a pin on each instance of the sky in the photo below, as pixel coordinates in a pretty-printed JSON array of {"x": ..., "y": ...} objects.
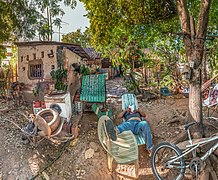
[{"x": 73, "y": 20}]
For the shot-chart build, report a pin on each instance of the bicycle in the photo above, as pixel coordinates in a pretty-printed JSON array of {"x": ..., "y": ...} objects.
[{"x": 169, "y": 162}]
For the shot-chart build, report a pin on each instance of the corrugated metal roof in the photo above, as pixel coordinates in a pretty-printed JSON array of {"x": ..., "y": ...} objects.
[
  {"x": 93, "y": 88},
  {"x": 92, "y": 53}
]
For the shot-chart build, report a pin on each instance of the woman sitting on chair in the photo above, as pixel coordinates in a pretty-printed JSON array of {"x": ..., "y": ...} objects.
[{"x": 133, "y": 121}]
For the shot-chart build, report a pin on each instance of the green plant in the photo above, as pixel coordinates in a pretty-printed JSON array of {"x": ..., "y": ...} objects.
[
  {"x": 130, "y": 86},
  {"x": 36, "y": 91},
  {"x": 84, "y": 70},
  {"x": 59, "y": 76}
]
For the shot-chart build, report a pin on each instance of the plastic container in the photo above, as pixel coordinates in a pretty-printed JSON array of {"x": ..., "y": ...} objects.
[
  {"x": 36, "y": 104},
  {"x": 36, "y": 107},
  {"x": 36, "y": 110},
  {"x": 43, "y": 106}
]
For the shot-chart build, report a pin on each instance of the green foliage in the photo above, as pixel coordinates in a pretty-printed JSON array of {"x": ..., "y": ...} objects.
[
  {"x": 28, "y": 18},
  {"x": 213, "y": 21},
  {"x": 2, "y": 53},
  {"x": 60, "y": 86},
  {"x": 53, "y": 12},
  {"x": 110, "y": 18},
  {"x": 77, "y": 37},
  {"x": 167, "y": 81},
  {"x": 59, "y": 76},
  {"x": 36, "y": 90},
  {"x": 213, "y": 56},
  {"x": 14, "y": 58},
  {"x": 123, "y": 29},
  {"x": 131, "y": 85},
  {"x": 84, "y": 70}
]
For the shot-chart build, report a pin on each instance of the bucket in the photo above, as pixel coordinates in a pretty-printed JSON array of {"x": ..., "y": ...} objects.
[
  {"x": 43, "y": 106},
  {"x": 51, "y": 117},
  {"x": 36, "y": 104}
]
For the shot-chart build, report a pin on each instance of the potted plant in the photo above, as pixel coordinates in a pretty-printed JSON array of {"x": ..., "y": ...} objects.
[{"x": 59, "y": 76}]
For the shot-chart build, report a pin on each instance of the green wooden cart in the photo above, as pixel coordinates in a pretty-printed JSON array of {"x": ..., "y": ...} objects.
[{"x": 93, "y": 90}]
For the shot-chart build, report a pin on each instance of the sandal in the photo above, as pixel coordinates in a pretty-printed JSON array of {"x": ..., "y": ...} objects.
[
  {"x": 111, "y": 130},
  {"x": 150, "y": 151}
]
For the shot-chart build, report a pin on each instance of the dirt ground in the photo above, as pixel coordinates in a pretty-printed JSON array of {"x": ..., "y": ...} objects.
[{"x": 21, "y": 162}]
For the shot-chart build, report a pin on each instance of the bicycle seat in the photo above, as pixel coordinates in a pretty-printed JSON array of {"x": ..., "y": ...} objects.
[{"x": 187, "y": 126}]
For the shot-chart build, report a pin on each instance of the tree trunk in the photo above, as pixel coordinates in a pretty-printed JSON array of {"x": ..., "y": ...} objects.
[
  {"x": 134, "y": 82},
  {"x": 176, "y": 78},
  {"x": 204, "y": 67},
  {"x": 48, "y": 23},
  {"x": 195, "y": 98},
  {"x": 194, "y": 46},
  {"x": 50, "y": 28},
  {"x": 145, "y": 73}
]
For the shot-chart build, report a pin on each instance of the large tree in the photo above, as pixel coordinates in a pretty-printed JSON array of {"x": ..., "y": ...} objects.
[
  {"x": 117, "y": 24},
  {"x": 111, "y": 17},
  {"x": 194, "y": 40},
  {"x": 119, "y": 28},
  {"x": 53, "y": 12},
  {"x": 27, "y": 18}
]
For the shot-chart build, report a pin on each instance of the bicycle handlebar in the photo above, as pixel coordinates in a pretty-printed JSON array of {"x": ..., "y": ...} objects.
[{"x": 187, "y": 126}]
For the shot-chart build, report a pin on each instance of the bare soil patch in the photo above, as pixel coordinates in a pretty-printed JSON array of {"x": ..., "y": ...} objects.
[{"x": 19, "y": 161}]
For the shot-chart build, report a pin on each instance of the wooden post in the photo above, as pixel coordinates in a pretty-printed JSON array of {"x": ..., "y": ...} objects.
[
  {"x": 16, "y": 76},
  {"x": 145, "y": 73}
]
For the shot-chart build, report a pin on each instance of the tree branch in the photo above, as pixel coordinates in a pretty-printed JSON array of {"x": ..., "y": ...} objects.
[
  {"x": 203, "y": 19},
  {"x": 185, "y": 24}
]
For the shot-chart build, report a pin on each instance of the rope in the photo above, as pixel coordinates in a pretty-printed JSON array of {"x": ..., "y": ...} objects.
[
  {"x": 63, "y": 149},
  {"x": 67, "y": 141},
  {"x": 14, "y": 124},
  {"x": 19, "y": 128},
  {"x": 28, "y": 134}
]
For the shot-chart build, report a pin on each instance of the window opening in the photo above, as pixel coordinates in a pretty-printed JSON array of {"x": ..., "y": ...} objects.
[
  {"x": 42, "y": 54},
  {"x": 36, "y": 70}
]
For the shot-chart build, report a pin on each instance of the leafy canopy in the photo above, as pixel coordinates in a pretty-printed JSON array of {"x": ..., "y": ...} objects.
[
  {"x": 115, "y": 24},
  {"x": 114, "y": 16},
  {"x": 27, "y": 18},
  {"x": 77, "y": 37}
]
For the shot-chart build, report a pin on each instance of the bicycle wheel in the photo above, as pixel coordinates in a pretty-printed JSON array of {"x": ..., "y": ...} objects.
[{"x": 162, "y": 169}]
